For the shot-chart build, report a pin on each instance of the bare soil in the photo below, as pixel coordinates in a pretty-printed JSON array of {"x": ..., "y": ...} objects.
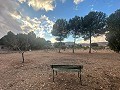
[{"x": 101, "y": 71}]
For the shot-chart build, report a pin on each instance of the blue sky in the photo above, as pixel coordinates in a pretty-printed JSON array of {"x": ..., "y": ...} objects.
[
  {"x": 40, "y": 15},
  {"x": 69, "y": 9}
]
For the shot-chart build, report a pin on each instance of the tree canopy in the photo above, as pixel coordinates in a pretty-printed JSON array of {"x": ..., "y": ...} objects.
[
  {"x": 60, "y": 30},
  {"x": 94, "y": 25},
  {"x": 113, "y": 27},
  {"x": 75, "y": 27},
  {"x": 10, "y": 40},
  {"x": 23, "y": 41}
]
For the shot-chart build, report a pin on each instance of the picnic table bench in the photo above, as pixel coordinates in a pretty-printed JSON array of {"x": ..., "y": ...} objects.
[{"x": 67, "y": 68}]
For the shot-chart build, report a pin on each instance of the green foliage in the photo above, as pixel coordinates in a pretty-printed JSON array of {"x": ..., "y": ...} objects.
[
  {"x": 48, "y": 43},
  {"x": 94, "y": 25},
  {"x": 75, "y": 26},
  {"x": 113, "y": 26},
  {"x": 40, "y": 43},
  {"x": 1, "y": 41},
  {"x": 9, "y": 40},
  {"x": 98, "y": 48},
  {"x": 63, "y": 47},
  {"x": 56, "y": 44},
  {"x": 32, "y": 39},
  {"x": 85, "y": 48},
  {"x": 78, "y": 46},
  {"x": 60, "y": 30},
  {"x": 23, "y": 41},
  {"x": 59, "y": 39},
  {"x": 94, "y": 44}
]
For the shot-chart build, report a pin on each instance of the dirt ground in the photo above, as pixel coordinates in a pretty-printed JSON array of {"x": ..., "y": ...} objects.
[{"x": 101, "y": 71}]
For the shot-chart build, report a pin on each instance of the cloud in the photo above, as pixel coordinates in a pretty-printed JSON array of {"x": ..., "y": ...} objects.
[
  {"x": 21, "y": 1},
  {"x": 76, "y": 8},
  {"x": 78, "y": 1},
  {"x": 40, "y": 4},
  {"x": 95, "y": 39},
  {"x": 91, "y": 9},
  {"x": 53, "y": 40},
  {"x": 63, "y": 1},
  {"x": 12, "y": 20},
  {"x": 40, "y": 25},
  {"x": 7, "y": 23},
  {"x": 16, "y": 14}
]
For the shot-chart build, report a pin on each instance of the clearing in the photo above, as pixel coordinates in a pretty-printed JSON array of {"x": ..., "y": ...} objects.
[{"x": 101, "y": 71}]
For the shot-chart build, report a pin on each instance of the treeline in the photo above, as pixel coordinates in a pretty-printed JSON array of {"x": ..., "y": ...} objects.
[
  {"x": 23, "y": 41},
  {"x": 91, "y": 25}
]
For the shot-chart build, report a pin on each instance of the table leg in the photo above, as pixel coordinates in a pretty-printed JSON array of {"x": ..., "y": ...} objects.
[
  {"x": 78, "y": 74},
  {"x": 53, "y": 75},
  {"x": 80, "y": 77},
  {"x": 56, "y": 72}
]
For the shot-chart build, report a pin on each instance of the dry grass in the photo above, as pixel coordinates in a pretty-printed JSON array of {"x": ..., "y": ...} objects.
[{"x": 101, "y": 71}]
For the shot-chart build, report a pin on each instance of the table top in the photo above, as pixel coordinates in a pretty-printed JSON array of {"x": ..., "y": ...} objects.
[{"x": 66, "y": 66}]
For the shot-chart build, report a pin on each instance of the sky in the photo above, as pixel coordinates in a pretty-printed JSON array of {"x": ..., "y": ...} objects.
[{"x": 23, "y": 16}]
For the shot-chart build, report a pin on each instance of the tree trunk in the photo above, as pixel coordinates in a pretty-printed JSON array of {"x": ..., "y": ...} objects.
[
  {"x": 90, "y": 42},
  {"x": 60, "y": 46},
  {"x": 74, "y": 45},
  {"x": 23, "y": 57}
]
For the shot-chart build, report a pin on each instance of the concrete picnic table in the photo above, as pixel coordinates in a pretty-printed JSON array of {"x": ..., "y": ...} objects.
[{"x": 67, "y": 68}]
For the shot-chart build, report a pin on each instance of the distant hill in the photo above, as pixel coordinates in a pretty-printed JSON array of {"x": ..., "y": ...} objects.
[
  {"x": 102, "y": 43},
  {"x": 87, "y": 44},
  {"x": 99, "y": 43},
  {"x": 69, "y": 43}
]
